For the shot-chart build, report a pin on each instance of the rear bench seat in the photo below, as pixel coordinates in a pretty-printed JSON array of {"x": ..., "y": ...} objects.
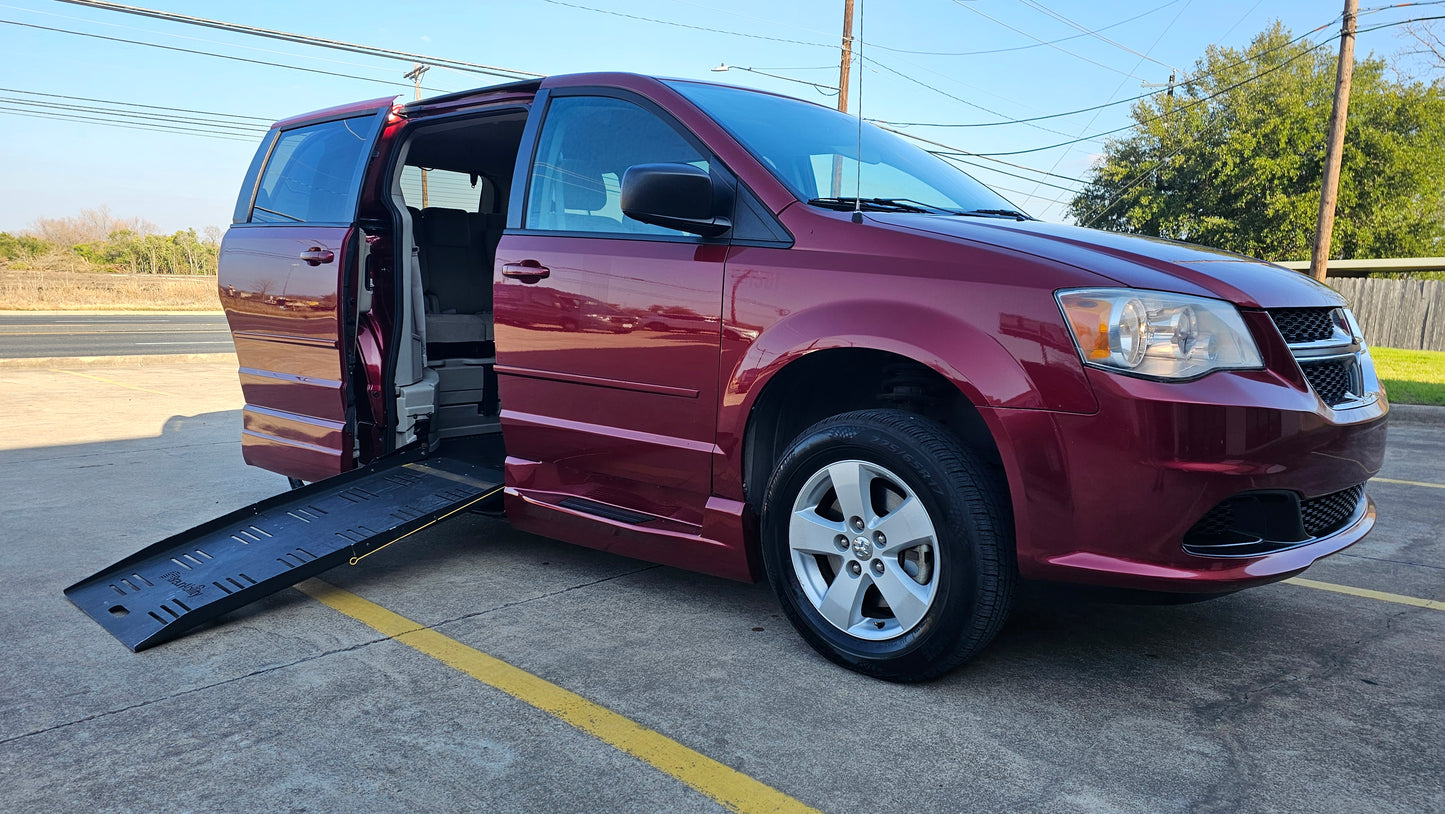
[{"x": 457, "y": 282}]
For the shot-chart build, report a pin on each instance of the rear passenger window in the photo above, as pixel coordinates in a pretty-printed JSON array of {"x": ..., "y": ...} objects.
[
  {"x": 313, "y": 174},
  {"x": 424, "y": 189}
]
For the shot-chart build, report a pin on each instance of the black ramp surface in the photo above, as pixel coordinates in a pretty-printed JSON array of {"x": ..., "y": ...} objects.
[{"x": 171, "y": 587}]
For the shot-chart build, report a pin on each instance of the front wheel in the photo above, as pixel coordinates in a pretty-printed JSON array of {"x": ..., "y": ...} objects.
[{"x": 888, "y": 544}]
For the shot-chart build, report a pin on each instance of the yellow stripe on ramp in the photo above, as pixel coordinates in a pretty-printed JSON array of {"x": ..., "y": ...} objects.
[
  {"x": 724, "y": 784},
  {"x": 1398, "y": 599}
]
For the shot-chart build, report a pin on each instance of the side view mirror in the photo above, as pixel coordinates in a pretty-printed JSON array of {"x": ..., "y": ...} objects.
[{"x": 675, "y": 196}]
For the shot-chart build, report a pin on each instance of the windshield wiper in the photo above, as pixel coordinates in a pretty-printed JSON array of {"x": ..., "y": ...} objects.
[
  {"x": 1005, "y": 213},
  {"x": 881, "y": 205}
]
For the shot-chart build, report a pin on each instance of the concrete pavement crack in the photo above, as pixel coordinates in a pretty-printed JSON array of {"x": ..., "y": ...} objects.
[
  {"x": 192, "y": 690},
  {"x": 314, "y": 657},
  {"x": 547, "y": 595}
]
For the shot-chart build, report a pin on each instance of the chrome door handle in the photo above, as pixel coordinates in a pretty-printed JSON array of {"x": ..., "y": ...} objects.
[
  {"x": 316, "y": 255},
  {"x": 528, "y": 271}
]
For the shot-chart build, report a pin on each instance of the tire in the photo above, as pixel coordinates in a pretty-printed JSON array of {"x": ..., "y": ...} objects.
[{"x": 949, "y": 569}]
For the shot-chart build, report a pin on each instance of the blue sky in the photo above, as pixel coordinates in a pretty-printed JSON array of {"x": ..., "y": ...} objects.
[{"x": 56, "y": 168}]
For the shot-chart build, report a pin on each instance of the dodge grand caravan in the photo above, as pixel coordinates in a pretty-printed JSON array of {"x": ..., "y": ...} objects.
[{"x": 686, "y": 323}]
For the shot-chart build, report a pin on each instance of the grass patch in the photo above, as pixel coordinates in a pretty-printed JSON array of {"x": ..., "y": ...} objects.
[
  {"x": 57, "y": 290},
  {"x": 1412, "y": 376}
]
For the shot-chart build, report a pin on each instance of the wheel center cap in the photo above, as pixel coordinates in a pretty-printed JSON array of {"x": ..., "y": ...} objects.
[{"x": 862, "y": 549}]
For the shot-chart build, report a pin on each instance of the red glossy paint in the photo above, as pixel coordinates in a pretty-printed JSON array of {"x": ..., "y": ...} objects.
[
  {"x": 623, "y": 407},
  {"x": 285, "y": 320},
  {"x": 631, "y": 371}
]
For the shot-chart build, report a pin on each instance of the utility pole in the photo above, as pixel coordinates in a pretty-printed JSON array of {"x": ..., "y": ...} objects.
[
  {"x": 1330, "y": 186},
  {"x": 847, "y": 64},
  {"x": 417, "y": 69},
  {"x": 843, "y": 70}
]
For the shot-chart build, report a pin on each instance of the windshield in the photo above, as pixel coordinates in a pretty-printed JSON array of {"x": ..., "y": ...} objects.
[{"x": 813, "y": 150}]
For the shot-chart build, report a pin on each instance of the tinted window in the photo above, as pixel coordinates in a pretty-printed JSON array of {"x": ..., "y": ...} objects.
[
  {"x": 422, "y": 189},
  {"x": 313, "y": 174},
  {"x": 586, "y": 146}
]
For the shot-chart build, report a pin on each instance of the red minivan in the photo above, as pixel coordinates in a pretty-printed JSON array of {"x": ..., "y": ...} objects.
[{"x": 724, "y": 330}]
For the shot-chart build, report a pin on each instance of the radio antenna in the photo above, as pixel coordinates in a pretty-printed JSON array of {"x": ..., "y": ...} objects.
[{"x": 858, "y": 176}]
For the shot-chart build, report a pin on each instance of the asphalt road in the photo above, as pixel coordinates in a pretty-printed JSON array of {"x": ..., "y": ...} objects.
[
  {"x": 1291, "y": 697},
  {"x": 28, "y": 336}
]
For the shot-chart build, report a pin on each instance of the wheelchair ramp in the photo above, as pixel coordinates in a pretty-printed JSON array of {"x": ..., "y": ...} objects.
[{"x": 173, "y": 586}]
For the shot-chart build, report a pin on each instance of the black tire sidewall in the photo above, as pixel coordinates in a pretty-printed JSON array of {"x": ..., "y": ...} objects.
[{"x": 953, "y": 614}]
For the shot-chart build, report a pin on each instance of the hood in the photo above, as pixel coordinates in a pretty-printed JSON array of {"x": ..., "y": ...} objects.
[{"x": 1134, "y": 260}]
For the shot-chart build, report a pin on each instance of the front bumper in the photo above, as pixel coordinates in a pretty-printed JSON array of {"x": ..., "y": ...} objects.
[{"x": 1108, "y": 499}]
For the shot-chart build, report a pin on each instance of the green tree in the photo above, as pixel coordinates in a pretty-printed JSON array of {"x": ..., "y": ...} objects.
[{"x": 1235, "y": 161}]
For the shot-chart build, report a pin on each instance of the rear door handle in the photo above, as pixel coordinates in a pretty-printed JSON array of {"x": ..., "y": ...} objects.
[
  {"x": 528, "y": 271},
  {"x": 316, "y": 255}
]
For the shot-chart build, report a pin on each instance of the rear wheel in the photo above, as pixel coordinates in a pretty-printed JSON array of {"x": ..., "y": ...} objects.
[{"x": 887, "y": 543}]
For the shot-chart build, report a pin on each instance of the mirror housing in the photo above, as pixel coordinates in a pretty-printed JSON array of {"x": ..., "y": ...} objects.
[{"x": 674, "y": 196}]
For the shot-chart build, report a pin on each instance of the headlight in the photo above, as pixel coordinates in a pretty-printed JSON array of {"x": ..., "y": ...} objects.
[{"x": 1156, "y": 334}]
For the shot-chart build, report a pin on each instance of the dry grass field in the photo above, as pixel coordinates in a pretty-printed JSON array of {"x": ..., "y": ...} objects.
[{"x": 57, "y": 290}]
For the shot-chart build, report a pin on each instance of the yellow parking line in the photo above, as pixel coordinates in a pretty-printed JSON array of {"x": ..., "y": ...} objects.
[
  {"x": 1408, "y": 482},
  {"x": 723, "y": 784},
  {"x": 112, "y": 381},
  {"x": 1369, "y": 594}
]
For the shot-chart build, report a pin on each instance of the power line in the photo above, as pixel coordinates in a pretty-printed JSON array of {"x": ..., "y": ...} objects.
[
  {"x": 951, "y": 157},
  {"x": 1175, "y": 111},
  {"x": 1115, "y": 103},
  {"x": 128, "y": 125},
  {"x": 175, "y": 35},
  {"x": 674, "y": 24},
  {"x": 1139, "y": 178},
  {"x": 1036, "y": 44},
  {"x": 941, "y": 92},
  {"x": 1141, "y": 96},
  {"x": 1144, "y": 172},
  {"x": 1059, "y": 159},
  {"x": 235, "y": 127},
  {"x": 1095, "y": 34},
  {"x": 303, "y": 39},
  {"x": 949, "y": 150},
  {"x": 962, "y": 4},
  {"x": 208, "y": 54},
  {"x": 266, "y": 120}
]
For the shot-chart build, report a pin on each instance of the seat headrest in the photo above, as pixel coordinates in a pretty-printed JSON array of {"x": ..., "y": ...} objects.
[
  {"x": 445, "y": 227},
  {"x": 583, "y": 190}
]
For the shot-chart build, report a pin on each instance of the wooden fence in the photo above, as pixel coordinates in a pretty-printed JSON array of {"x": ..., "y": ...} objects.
[
  {"x": 1399, "y": 313},
  {"x": 1407, "y": 314}
]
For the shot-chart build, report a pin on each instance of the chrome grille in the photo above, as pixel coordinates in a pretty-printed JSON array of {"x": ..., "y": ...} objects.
[{"x": 1324, "y": 343}]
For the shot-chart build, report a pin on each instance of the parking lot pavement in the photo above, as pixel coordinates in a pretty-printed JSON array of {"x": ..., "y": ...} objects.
[{"x": 1284, "y": 698}]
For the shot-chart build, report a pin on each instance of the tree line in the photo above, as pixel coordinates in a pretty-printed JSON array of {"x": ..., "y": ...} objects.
[
  {"x": 96, "y": 240},
  {"x": 1233, "y": 157}
]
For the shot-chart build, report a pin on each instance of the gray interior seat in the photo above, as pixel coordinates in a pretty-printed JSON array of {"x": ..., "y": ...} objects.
[
  {"x": 583, "y": 189},
  {"x": 456, "y": 278}
]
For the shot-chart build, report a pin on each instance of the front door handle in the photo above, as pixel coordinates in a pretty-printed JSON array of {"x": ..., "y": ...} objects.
[
  {"x": 316, "y": 255},
  {"x": 528, "y": 271}
]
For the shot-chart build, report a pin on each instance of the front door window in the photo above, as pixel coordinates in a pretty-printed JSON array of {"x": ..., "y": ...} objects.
[{"x": 587, "y": 144}]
